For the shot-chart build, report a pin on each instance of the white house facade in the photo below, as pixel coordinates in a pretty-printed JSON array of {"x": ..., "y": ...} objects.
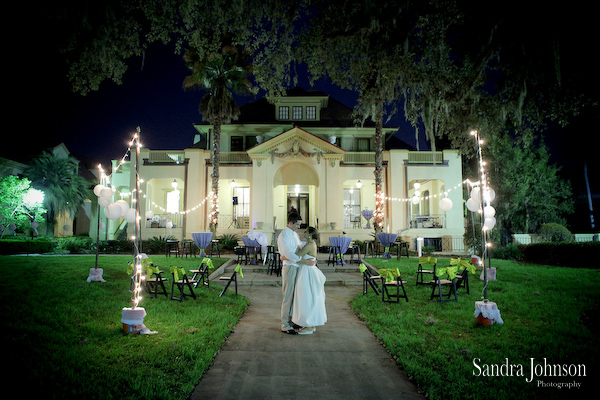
[{"x": 300, "y": 152}]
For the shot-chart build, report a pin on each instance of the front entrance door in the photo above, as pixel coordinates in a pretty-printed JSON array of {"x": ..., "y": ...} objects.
[{"x": 299, "y": 202}]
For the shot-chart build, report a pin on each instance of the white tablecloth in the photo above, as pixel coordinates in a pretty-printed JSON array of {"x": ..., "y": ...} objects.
[
  {"x": 202, "y": 240},
  {"x": 342, "y": 243},
  {"x": 386, "y": 240},
  {"x": 488, "y": 310}
]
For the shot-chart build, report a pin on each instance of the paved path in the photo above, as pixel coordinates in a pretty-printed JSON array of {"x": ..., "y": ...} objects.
[{"x": 341, "y": 360}]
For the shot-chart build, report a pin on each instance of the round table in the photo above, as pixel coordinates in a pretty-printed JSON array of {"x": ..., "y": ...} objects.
[
  {"x": 251, "y": 245},
  {"x": 202, "y": 240},
  {"x": 342, "y": 243},
  {"x": 386, "y": 240}
]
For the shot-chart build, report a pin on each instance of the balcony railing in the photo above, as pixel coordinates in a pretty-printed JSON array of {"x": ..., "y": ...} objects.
[
  {"x": 425, "y": 157},
  {"x": 234, "y": 157},
  {"x": 428, "y": 221},
  {"x": 161, "y": 156},
  {"x": 359, "y": 157}
]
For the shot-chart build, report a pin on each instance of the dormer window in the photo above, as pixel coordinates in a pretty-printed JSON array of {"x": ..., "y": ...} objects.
[
  {"x": 296, "y": 112},
  {"x": 284, "y": 112}
]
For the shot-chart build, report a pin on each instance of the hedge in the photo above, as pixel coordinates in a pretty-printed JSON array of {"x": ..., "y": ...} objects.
[
  {"x": 565, "y": 254},
  {"x": 18, "y": 246}
]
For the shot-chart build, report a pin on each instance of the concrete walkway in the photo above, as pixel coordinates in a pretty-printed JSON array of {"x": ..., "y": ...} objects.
[{"x": 341, "y": 360}]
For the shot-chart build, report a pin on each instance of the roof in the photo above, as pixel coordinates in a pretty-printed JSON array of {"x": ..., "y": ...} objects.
[{"x": 336, "y": 114}]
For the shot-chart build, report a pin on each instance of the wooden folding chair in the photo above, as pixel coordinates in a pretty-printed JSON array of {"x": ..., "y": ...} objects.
[
  {"x": 155, "y": 283},
  {"x": 464, "y": 268},
  {"x": 392, "y": 278},
  {"x": 172, "y": 247},
  {"x": 232, "y": 278},
  {"x": 426, "y": 267},
  {"x": 439, "y": 283},
  {"x": 242, "y": 254},
  {"x": 369, "y": 279},
  {"x": 200, "y": 275},
  {"x": 181, "y": 280}
]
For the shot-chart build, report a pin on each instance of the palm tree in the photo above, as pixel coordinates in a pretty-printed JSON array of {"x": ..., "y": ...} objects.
[
  {"x": 222, "y": 74},
  {"x": 65, "y": 190}
]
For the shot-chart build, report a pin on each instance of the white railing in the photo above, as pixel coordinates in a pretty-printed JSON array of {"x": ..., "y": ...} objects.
[
  {"x": 235, "y": 157},
  {"x": 161, "y": 156},
  {"x": 359, "y": 157},
  {"x": 425, "y": 157}
]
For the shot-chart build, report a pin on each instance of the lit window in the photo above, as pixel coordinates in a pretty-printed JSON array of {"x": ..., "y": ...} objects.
[
  {"x": 297, "y": 112},
  {"x": 311, "y": 112},
  {"x": 284, "y": 113}
]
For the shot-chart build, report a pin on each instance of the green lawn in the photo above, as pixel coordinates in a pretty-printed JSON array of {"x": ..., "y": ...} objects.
[
  {"x": 548, "y": 312},
  {"x": 62, "y": 335}
]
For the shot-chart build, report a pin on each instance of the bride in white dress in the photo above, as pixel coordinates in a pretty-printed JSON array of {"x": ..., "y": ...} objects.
[{"x": 308, "y": 309}]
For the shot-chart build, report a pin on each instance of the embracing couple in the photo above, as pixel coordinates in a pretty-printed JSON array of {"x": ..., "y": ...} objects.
[{"x": 303, "y": 284}]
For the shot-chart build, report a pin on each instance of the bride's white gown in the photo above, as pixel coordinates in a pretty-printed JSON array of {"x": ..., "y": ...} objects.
[{"x": 308, "y": 308}]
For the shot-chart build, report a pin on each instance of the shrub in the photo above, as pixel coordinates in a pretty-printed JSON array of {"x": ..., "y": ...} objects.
[
  {"x": 155, "y": 245},
  {"x": 554, "y": 233},
  {"x": 509, "y": 252},
  {"x": 228, "y": 241},
  {"x": 573, "y": 254},
  {"x": 21, "y": 245},
  {"x": 75, "y": 244}
]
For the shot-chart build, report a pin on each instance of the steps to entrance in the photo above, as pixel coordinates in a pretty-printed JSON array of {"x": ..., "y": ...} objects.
[{"x": 342, "y": 275}]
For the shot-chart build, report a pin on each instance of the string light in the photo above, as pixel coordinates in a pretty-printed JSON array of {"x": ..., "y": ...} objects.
[{"x": 433, "y": 196}]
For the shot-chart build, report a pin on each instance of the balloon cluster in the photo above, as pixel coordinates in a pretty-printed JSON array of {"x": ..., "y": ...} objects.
[
  {"x": 116, "y": 210},
  {"x": 474, "y": 204}
]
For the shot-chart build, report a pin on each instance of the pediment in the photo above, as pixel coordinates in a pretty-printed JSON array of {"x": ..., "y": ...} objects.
[{"x": 294, "y": 143}]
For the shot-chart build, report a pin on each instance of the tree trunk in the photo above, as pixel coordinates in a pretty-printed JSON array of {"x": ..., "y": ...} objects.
[
  {"x": 378, "y": 214},
  {"x": 214, "y": 212}
]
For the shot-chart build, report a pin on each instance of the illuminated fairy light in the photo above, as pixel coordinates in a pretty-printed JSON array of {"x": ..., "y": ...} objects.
[
  {"x": 485, "y": 194},
  {"x": 432, "y": 196},
  {"x": 164, "y": 210}
]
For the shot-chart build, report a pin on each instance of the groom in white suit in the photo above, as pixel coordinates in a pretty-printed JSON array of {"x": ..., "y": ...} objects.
[{"x": 287, "y": 243}]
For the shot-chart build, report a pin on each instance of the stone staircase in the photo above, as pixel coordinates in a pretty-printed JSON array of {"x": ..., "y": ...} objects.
[{"x": 340, "y": 275}]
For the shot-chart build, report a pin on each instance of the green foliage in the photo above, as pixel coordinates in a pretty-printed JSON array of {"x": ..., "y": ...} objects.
[
  {"x": 553, "y": 232},
  {"x": 66, "y": 333},
  {"x": 509, "y": 252},
  {"x": 567, "y": 254},
  {"x": 26, "y": 246},
  {"x": 155, "y": 245},
  {"x": 529, "y": 191},
  {"x": 58, "y": 177},
  {"x": 75, "y": 244},
  {"x": 19, "y": 203},
  {"x": 228, "y": 241}
]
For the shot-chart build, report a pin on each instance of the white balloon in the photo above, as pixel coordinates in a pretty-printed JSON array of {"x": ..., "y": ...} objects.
[
  {"x": 416, "y": 199},
  {"x": 149, "y": 214},
  {"x": 473, "y": 205},
  {"x": 489, "y": 195},
  {"x": 66, "y": 228},
  {"x": 102, "y": 202},
  {"x": 124, "y": 206},
  {"x": 490, "y": 222},
  {"x": 475, "y": 194},
  {"x": 34, "y": 224},
  {"x": 106, "y": 193},
  {"x": 489, "y": 211},
  {"x": 98, "y": 189},
  {"x": 113, "y": 211},
  {"x": 169, "y": 225},
  {"x": 445, "y": 204},
  {"x": 130, "y": 215},
  {"x": 102, "y": 225}
]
